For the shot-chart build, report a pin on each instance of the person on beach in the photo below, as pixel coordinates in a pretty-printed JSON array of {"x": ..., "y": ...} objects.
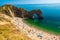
[{"x": 40, "y": 35}]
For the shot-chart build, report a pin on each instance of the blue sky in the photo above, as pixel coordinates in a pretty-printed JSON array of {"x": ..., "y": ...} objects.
[{"x": 28, "y": 1}]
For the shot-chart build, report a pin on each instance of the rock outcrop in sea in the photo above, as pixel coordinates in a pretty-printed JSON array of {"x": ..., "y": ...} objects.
[{"x": 38, "y": 12}]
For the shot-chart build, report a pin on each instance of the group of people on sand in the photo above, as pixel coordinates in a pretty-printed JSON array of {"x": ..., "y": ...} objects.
[{"x": 34, "y": 33}]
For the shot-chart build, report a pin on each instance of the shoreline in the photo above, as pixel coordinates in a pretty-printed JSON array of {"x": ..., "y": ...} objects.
[
  {"x": 43, "y": 31},
  {"x": 41, "y": 28},
  {"x": 34, "y": 33}
]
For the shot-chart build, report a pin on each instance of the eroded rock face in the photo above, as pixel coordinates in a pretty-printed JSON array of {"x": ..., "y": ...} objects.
[
  {"x": 13, "y": 11},
  {"x": 38, "y": 12},
  {"x": 24, "y": 12}
]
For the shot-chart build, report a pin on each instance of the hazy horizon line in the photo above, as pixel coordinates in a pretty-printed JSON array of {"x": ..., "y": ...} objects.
[{"x": 28, "y": 4}]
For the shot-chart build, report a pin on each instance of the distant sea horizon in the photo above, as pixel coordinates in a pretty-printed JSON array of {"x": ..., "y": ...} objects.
[{"x": 50, "y": 13}]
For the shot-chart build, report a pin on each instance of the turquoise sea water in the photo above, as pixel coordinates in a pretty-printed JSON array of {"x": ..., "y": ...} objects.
[{"x": 50, "y": 13}]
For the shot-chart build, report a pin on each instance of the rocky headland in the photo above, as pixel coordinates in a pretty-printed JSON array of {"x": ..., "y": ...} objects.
[
  {"x": 13, "y": 11},
  {"x": 12, "y": 17}
]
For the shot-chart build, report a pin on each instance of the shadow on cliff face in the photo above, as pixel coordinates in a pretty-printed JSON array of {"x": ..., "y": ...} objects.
[
  {"x": 19, "y": 12},
  {"x": 24, "y": 12}
]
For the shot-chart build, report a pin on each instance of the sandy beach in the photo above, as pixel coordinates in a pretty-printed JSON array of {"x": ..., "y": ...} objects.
[{"x": 33, "y": 33}]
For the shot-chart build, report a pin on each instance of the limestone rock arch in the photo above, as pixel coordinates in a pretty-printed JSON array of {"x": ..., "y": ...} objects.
[{"x": 38, "y": 12}]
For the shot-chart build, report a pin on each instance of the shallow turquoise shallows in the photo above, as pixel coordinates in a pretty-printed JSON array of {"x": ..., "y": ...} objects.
[{"x": 50, "y": 13}]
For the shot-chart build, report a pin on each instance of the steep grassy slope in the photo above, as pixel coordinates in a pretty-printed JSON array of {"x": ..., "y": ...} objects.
[
  {"x": 13, "y": 11},
  {"x": 7, "y": 9},
  {"x": 10, "y": 32},
  {"x": 4, "y": 19}
]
